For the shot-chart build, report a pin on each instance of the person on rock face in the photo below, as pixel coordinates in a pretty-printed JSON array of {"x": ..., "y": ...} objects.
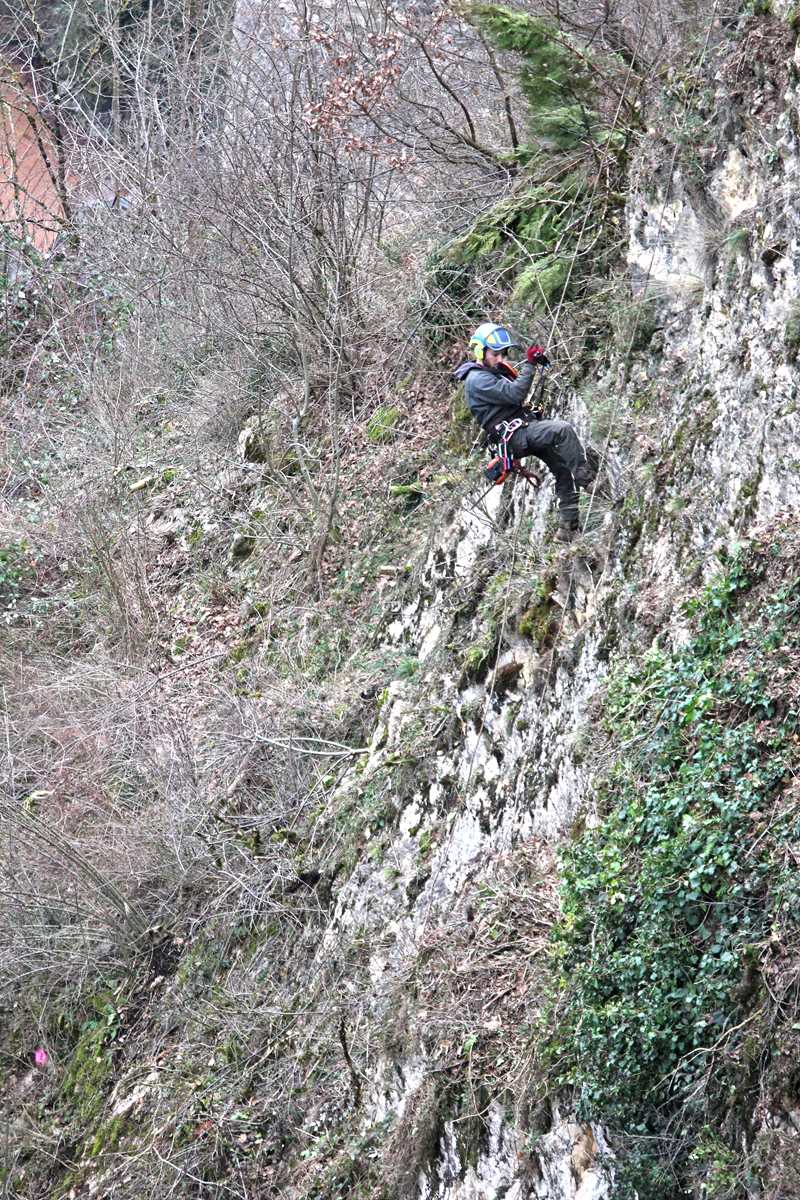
[{"x": 496, "y": 394}]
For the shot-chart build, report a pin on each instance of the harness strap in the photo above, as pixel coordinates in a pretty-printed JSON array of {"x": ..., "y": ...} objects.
[
  {"x": 504, "y": 464},
  {"x": 506, "y": 430}
]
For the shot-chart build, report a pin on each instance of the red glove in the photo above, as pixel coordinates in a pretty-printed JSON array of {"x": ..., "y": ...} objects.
[{"x": 536, "y": 354}]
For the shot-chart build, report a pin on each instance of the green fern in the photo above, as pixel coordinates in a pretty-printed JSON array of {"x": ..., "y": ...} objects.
[
  {"x": 555, "y": 79},
  {"x": 541, "y": 285}
]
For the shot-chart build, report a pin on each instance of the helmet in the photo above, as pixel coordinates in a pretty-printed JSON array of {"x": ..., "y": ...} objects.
[{"x": 490, "y": 337}]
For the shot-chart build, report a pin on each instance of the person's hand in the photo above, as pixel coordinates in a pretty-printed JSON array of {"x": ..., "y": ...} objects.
[
  {"x": 536, "y": 413},
  {"x": 536, "y": 355}
]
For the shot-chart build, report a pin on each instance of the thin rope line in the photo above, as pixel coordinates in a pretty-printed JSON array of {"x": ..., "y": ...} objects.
[
  {"x": 557, "y": 314},
  {"x": 490, "y": 694},
  {"x": 548, "y": 682},
  {"x": 559, "y": 630},
  {"x": 601, "y": 167},
  {"x": 661, "y": 216},
  {"x": 479, "y": 735}
]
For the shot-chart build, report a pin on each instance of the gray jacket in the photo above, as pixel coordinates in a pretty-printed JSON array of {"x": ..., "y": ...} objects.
[{"x": 492, "y": 396}]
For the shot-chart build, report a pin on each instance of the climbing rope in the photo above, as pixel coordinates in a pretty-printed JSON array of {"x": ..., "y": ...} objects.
[
  {"x": 479, "y": 735},
  {"x": 556, "y": 318},
  {"x": 662, "y": 214}
]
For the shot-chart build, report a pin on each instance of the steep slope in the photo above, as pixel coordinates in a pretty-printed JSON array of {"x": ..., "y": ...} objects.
[
  {"x": 515, "y": 644},
  {"x": 533, "y": 931}
]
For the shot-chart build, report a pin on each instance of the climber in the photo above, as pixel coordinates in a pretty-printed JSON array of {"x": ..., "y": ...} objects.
[{"x": 496, "y": 392}]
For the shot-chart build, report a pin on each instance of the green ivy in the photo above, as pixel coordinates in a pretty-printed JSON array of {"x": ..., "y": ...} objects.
[{"x": 666, "y": 901}]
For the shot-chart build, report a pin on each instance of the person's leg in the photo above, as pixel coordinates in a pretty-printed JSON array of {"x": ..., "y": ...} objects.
[
  {"x": 567, "y": 497},
  {"x": 557, "y": 445},
  {"x": 554, "y": 439}
]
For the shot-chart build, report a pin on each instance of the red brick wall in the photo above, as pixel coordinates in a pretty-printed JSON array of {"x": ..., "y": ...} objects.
[{"x": 29, "y": 198}]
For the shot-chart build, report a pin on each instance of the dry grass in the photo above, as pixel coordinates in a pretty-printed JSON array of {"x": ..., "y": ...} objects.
[{"x": 479, "y": 978}]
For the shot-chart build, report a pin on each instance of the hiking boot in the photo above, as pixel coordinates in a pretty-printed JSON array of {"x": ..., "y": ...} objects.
[
  {"x": 586, "y": 473},
  {"x": 565, "y": 533}
]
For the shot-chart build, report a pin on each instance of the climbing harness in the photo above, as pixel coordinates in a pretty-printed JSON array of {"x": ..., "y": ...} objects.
[{"x": 503, "y": 464}]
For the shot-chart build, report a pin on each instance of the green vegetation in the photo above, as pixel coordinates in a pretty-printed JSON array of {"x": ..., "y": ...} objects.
[
  {"x": 538, "y": 619},
  {"x": 493, "y": 609},
  {"x": 531, "y": 232},
  {"x": 555, "y": 78},
  {"x": 407, "y": 668},
  {"x": 364, "y": 818},
  {"x": 88, "y": 1075},
  {"x": 667, "y": 905},
  {"x": 526, "y": 242},
  {"x": 475, "y": 658},
  {"x": 736, "y": 242},
  {"x": 529, "y": 241},
  {"x": 108, "y": 1136},
  {"x": 383, "y": 423},
  {"x": 408, "y": 494}
]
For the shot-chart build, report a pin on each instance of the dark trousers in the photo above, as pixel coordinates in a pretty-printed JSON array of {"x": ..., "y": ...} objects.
[{"x": 556, "y": 444}]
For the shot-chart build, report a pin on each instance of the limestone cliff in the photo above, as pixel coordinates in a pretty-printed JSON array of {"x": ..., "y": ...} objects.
[{"x": 514, "y": 644}]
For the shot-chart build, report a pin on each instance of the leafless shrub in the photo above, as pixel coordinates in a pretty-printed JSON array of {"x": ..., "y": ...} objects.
[
  {"x": 221, "y": 401},
  {"x": 118, "y": 558},
  {"x": 67, "y": 903},
  {"x": 479, "y": 976}
]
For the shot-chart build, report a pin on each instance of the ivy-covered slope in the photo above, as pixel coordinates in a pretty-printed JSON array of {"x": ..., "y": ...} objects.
[{"x": 679, "y": 928}]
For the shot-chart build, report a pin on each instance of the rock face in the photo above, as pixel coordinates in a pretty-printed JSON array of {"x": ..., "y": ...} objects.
[
  {"x": 511, "y": 772},
  {"x": 513, "y": 642}
]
